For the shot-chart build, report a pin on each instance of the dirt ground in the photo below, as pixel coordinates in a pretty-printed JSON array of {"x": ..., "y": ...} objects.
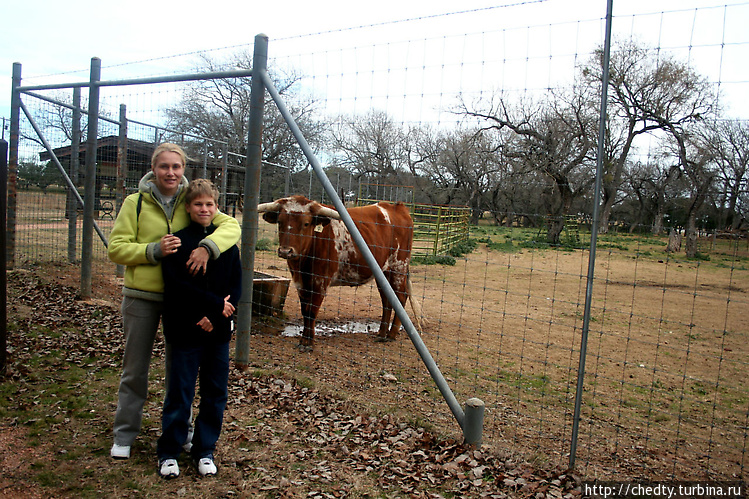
[
  {"x": 665, "y": 391},
  {"x": 288, "y": 433},
  {"x": 665, "y": 394}
]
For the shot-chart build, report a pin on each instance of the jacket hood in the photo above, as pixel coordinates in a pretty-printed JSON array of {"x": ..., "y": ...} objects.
[{"x": 147, "y": 184}]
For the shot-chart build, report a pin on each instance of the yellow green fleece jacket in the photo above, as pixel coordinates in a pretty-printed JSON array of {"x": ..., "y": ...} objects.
[{"x": 134, "y": 240}]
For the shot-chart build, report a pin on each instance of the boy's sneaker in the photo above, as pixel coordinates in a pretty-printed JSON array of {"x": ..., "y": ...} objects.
[
  {"x": 168, "y": 468},
  {"x": 206, "y": 466},
  {"x": 120, "y": 451}
]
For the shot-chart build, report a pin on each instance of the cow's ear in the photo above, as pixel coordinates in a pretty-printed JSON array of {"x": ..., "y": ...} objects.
[
  {"x": 271, "y": 217},
  {"x": 320, "y": 220}
]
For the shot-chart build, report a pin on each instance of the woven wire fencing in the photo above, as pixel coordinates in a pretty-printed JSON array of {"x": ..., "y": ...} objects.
[{"x": 442, "y": 115}]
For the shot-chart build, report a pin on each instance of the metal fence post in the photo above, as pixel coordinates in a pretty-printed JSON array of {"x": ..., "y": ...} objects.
[
  {"x": 3, "y": 269},
  {"x": 474, "y": 422},
  {"x": 120, "y": 194},
  {"x": 120, "y": 186},
  {"x": 437, "y": 230},
  {"x": 251, "y": 198},
  {"x": 593, "y": 237},
  {"x": 15, "y": 130},
  {"x": 75, "y": 161},
  {"x": 224, "y": 204},
  {"x": 205, "y": 158},
  {"x": 90, "y": 180}
]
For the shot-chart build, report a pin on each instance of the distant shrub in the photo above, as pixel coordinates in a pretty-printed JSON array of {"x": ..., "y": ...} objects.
[
  {"x": 264, "y": 244},
  {"x": 462, "y": 248},
  {"x": 506, "y": 246},
  {"x": 533, "y": 244},
  {"x": 613, "y": 246},
  {"x": 704, "y": 257},
  {"x": 433, "y": 260}
]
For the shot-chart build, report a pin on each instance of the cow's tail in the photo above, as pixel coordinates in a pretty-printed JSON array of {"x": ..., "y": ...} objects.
[{"x": 416, "y": 307}]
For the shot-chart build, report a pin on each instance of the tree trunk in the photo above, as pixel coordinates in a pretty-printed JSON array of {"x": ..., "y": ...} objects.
[
  {"x": 659, "y": 200},
  {"x": 606, "y": 207},
  {"x": 674, "y": 242},
  {"x": 658, "y": 224},
  {"x": 691, "y": 236},
  {"x": 554, "y": 227},
  {"x": 475, "y": 216},
  {"x": 555, "y": 220}
]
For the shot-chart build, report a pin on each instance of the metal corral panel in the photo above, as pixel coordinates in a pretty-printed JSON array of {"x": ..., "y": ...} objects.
[{"x": 436, "y": 228}]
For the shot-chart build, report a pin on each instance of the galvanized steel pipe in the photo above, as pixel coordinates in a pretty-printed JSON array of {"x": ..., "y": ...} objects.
[{"x": 382, "y": 281}]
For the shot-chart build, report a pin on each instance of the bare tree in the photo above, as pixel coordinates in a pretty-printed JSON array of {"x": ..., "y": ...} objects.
[
  {"x": 641, "y": 87},
  {"x": 219, "y": 109},
  {"x": 648, "y": 91},
  {"x": 463, "y": 169},
  {"x": 553, "y": 138},
  {"x": 425, "y": 155},
  {"x": 699, "y": 168},
  {"x": 654, "y": 185},
  {"x": 57, "y": 120},
  {"x": 729, "y": 143},
  {"x": 370, "y": 144}
]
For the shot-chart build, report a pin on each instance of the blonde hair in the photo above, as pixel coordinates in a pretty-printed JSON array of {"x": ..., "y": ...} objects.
[
  {"x": 169, "y": 147},
  {"x": 200, "y": 187}
]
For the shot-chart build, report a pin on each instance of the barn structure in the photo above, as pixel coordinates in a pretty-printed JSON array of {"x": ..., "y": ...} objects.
[
  {"x": 138, "y": 160},
  {"x": 137, "y": 163}
]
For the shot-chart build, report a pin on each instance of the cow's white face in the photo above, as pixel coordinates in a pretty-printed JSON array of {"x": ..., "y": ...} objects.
[
  {"x": 295, "y": 233},
  {"x": 297, "y": 220}
]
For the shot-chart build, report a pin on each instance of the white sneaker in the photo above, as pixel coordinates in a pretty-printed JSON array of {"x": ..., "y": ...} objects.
[
  {"x": 168, "y": 468},
  {"x": 120, "y": 451},
  {"x": 206, "y": 466}
]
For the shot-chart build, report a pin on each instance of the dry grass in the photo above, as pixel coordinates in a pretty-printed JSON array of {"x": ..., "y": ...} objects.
[{"x": 665, "y": 393}]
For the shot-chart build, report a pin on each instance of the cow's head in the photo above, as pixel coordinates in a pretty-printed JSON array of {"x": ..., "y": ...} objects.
[{"x": 298, "y": 218}]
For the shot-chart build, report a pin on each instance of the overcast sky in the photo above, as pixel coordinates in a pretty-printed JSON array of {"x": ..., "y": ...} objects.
[{"x": 53, "y": 37}]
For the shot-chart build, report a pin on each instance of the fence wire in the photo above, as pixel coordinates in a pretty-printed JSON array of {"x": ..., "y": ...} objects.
[{"x": 664, "y": 393}]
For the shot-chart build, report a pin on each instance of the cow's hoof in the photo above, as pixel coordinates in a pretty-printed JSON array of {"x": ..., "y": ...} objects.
[
  {"x": 383, "y": 339},
  {"x": 304, "y": 348}
]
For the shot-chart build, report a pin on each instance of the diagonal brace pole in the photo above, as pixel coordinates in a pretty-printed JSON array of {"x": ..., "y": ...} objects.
[
  {"x": 382, "y": 281},
  {"x": 57, "y": 162}
]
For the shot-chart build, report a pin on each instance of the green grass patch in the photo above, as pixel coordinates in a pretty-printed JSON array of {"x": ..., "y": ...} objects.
[
  {"x": 433, "y": 260},
  {"x": 264, "y": 244},
  {"x": 462, "y": 248},
  {"x": 620, "y": 247},
  {"x": 702, "y": 257}
]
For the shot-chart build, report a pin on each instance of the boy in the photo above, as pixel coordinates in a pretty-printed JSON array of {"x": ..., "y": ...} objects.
[{"x": 197, "y": 316}]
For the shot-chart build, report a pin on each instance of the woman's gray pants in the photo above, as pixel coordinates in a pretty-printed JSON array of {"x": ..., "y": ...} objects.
[{"x": 140, "y": 320}]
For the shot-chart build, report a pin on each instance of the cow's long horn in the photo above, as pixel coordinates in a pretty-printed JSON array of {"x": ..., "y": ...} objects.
[
  {"x": 264, "y": 207},
  {"x": 328, "y": 212}
]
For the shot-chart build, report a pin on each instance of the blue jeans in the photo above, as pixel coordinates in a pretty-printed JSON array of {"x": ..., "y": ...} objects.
[{"x": 211, "y": 361}]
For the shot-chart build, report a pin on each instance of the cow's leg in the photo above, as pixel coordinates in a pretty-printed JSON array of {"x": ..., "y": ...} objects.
[
  {"x": 387, "y": 310},
  {"x": 399, "y": 284},
  {"x": 310, "y": 301},
  {"x": 308, "y": 331}
]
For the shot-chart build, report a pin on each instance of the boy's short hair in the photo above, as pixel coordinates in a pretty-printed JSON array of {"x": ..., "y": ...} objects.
[{"x": 200, "y": 187}]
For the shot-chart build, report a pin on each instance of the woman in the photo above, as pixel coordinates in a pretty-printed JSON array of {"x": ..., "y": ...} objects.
[{"x": 141, "y": 237}]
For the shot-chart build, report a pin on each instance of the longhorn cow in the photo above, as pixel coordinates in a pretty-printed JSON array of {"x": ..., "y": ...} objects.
[{"x": 320, "y": 253}]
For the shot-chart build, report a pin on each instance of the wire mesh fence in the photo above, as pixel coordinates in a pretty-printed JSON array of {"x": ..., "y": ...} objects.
[{"x": 438, "y": 121}]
